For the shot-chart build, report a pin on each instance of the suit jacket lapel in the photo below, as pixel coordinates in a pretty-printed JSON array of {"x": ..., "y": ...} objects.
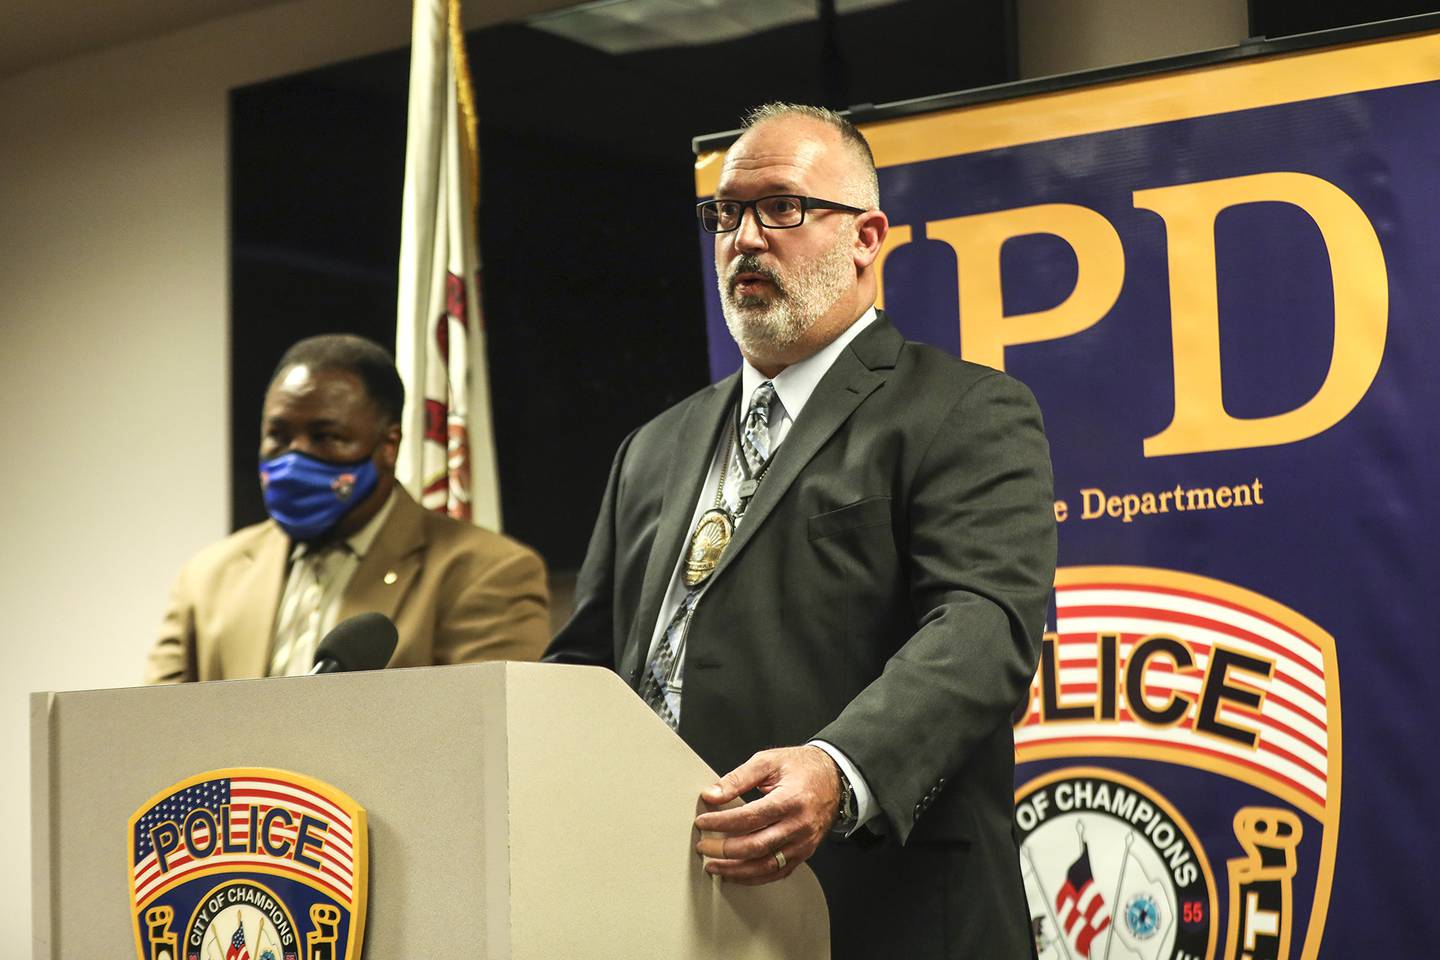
[
  {"x": 844, "y": 387},
  {"x": 386, "y": 571},
  {"x": 689, "y": 465},
  {"x": 257, "y": 600}
]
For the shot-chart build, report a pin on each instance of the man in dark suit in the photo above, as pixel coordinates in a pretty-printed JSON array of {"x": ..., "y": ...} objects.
[{"x": 845, "y": 548}]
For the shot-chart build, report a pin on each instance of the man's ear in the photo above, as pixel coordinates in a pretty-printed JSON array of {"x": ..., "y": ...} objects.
[
  {"x": 390, "y": 446},
  {"x": 870, "y": 230}
]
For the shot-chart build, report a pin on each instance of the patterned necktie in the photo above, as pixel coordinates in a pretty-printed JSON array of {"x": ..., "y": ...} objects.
[
  {"x": 298, "y": 628},
  {"x": 658, "y": 688},
  {"x": 755, "y": 437}
]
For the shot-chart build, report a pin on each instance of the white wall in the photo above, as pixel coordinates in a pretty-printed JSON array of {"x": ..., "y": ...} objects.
[{"x": 113, "y": 353}]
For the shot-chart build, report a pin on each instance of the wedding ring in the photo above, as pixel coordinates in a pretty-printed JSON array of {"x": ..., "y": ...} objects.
[{"x": 779, "y": 860}]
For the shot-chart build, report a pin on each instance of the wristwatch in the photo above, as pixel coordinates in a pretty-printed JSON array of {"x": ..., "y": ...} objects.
[{"x": 846, "y": 813}]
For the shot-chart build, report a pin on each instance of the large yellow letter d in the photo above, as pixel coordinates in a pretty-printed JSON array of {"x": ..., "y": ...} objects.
[{"x": 1357, "y": 268}]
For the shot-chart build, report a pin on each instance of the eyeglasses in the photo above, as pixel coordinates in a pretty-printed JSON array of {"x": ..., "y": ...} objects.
[{"x": 781, "y": 211}]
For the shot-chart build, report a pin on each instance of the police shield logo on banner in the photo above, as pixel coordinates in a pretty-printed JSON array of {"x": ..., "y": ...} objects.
[{"x": 1230, "y": 701}]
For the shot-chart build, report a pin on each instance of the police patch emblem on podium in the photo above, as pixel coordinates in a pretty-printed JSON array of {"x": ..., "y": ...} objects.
[
  {"x": 248, "y": 864},
  {"x": 1206, "y": 722}
]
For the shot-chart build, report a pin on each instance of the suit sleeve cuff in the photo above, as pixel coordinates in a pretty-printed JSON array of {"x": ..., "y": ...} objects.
[{"x": 865, "y": 806}]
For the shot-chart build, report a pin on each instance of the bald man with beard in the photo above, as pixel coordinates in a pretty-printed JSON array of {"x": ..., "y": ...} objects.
[{"x": 845, "y": 548}]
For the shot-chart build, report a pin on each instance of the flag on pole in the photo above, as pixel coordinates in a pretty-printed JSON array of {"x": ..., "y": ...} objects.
[
  {"x": 1146, "y": 910},
  {"x": 238, "y": 950},
  {"x": 1079, "y": 903},
  {"x": 447, "y": 454}
]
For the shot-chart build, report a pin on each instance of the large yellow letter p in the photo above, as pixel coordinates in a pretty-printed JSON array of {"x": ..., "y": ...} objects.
[{"x": 985, "y": 330}]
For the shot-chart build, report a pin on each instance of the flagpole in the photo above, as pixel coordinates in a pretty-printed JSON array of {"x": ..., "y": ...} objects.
[
  {"x": 266, "y": 934},
  {"x": 420, "y": 201},
  {"x": 259, "y": 925},
  {"x": 481, "y": 459},
  {"x": 447, "y": 457},
  {"x": 1049, "y": 910},
  {"x": 1115, "y": 903}
]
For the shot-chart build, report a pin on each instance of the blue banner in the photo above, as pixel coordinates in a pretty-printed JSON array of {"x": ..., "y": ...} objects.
[{"x": 1222, "y": 286}]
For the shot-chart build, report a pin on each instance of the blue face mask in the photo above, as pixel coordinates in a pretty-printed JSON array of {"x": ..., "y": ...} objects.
[{"x": 307, "y": 496}]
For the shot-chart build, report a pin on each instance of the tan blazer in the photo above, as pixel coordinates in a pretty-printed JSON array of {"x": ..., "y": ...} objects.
[{"x": 457, "y": 594}]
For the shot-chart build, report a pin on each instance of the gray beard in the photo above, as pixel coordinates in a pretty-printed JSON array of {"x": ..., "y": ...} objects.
[{"x": 768, "y": 326}]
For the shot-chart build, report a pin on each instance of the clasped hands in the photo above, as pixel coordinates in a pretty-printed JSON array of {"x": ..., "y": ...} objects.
[{"x": 802, "y": 796}]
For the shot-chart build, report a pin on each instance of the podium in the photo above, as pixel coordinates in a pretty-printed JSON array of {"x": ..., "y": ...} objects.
[{"x": 515, "y": 812}]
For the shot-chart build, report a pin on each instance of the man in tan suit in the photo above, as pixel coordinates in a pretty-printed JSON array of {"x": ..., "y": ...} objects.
[{"x": 344, "y": 538}]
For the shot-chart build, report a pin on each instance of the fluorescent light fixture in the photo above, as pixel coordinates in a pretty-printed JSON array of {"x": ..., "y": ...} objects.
[{"x": 630, "y": 26}]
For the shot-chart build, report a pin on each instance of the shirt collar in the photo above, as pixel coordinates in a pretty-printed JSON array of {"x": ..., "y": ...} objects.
[
  {"x": 795, "y": 384},
  {"x": 360, "y": 541}
]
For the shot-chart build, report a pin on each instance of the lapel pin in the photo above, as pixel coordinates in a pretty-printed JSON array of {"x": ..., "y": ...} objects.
[{"x": 390, "y": 577}]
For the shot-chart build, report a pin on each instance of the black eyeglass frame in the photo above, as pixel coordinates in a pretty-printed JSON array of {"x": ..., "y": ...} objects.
[{"x": 806, "y": 204}]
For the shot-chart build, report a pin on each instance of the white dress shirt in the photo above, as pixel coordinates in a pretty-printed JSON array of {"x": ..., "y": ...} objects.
[{"x": 793, "y": 388}]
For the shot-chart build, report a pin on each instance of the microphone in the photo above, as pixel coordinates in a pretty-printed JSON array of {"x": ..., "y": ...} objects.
[{"x": 364, "y": 642}]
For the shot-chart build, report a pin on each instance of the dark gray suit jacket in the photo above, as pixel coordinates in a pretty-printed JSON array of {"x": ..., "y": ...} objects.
[{"x": 886, "y": 593}]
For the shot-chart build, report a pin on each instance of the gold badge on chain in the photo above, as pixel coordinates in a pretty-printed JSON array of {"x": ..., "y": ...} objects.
[{"x": 707, "y": 545}]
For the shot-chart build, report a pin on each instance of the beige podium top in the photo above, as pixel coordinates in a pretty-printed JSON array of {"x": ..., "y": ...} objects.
[{"x": 516, "y": 812}]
